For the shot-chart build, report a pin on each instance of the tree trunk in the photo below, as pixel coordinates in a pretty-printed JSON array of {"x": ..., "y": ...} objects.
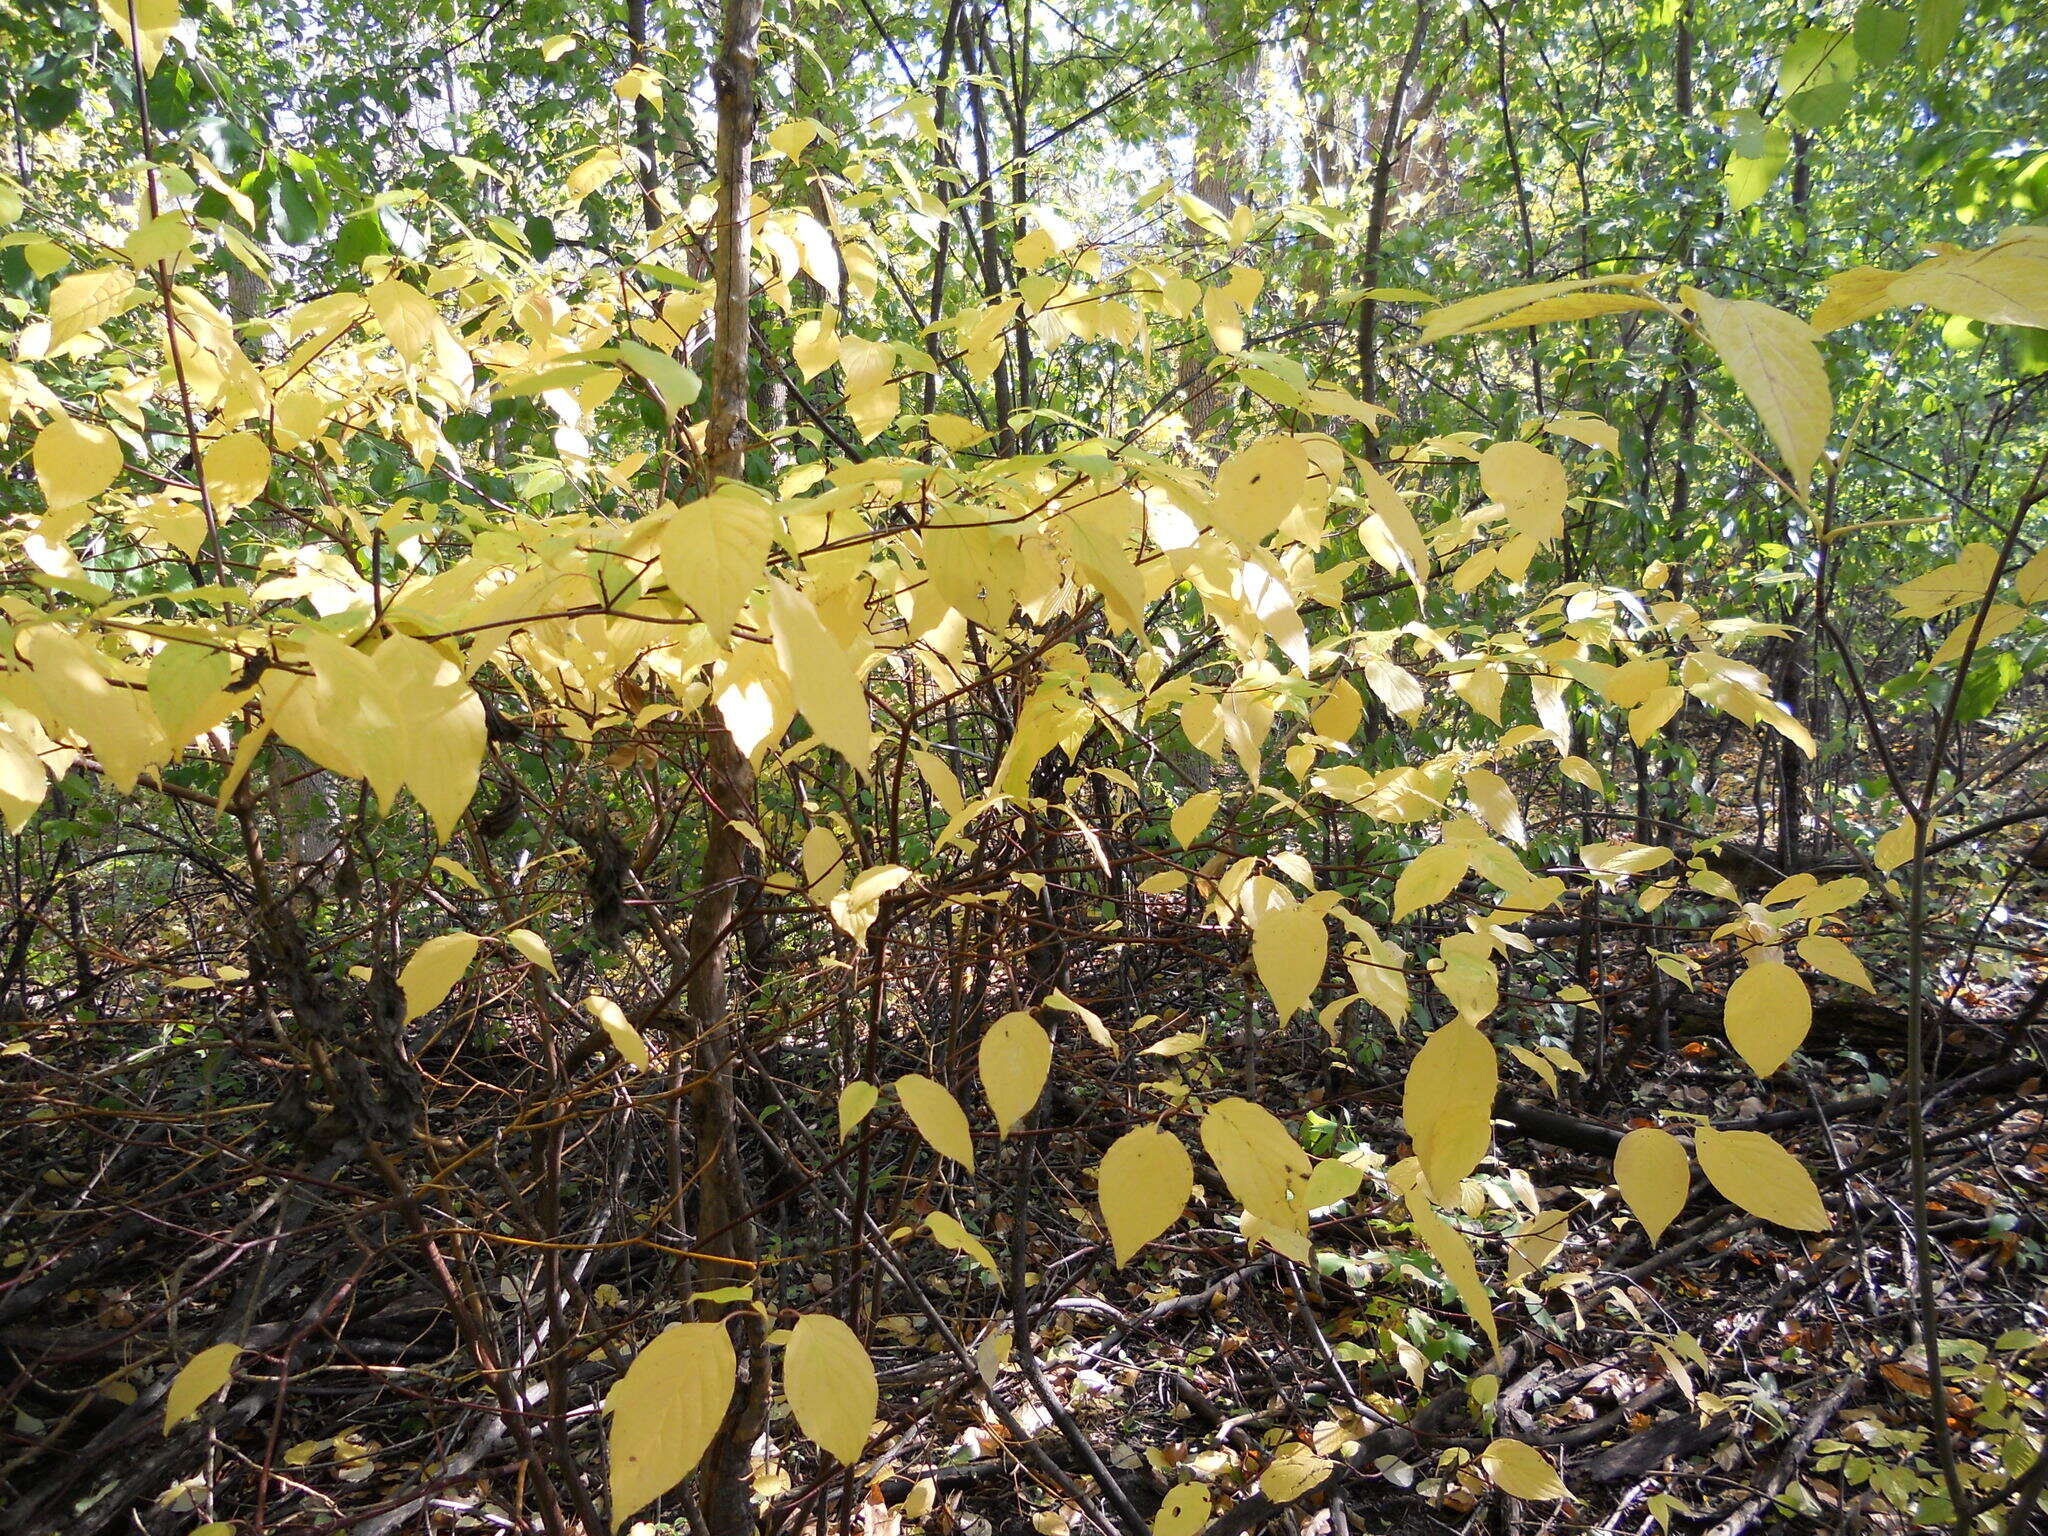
[
  {"x": 725, "y": 1238},
  {"x": 1393, "y": 125}
]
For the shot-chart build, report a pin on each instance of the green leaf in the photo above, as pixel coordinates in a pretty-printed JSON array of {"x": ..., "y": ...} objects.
[
  {"x": 1755, "y": 158},
  {"x": 1987, "y": 684},
  {"x": 294, "y": 217},
  {"x": 1934, "y": 28},
  {"x": 677, "y": 385},
  {"x": 1817, "y": 75},
  {"x": 1879, "y": 33},
  {"x": 360, "y": 238}
]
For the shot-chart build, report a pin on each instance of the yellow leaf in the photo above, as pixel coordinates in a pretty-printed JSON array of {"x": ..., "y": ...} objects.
[
  {"x": 534, "y": 948},
  {"x": 1224, "y": 317},
  {"x": 855, "y": 908},
  {"x": 1831, "y": 896},
  {"x": 1623, "y": 858},
  {"x": 637, "y": 83},
  {"x": 1147, "y": 1178},
  {"x": 594, "y": 170},
  {"x": 872, "y": 395},
  {"x": 430, "y": 975},
  {"x": 1484, "y": 310},
  {"x": 1468, "y": 976},
  {"x": 1584, "y": 427},
  {"x": 1095, "y": 532},
  {"x": 938, "y": 1118},
  {"x": 1390, "y": 534},
  {"x": 402, "y": 717},
  {"x": 23, "y": 781},
  {"x": 1966, "y": 579},
  {"x": 1288, "y": 1476},
  {"x": 990, "y": 1356},
  {"x": 196, "y": 1382},
  {"x": 830, "y": 1382},
  {"x": 74, "y": 461},
  {"x": 856, "y": 1102},
  {"x": 1768, "y": 1014},
  {"x": 1333, "y": 1180},
  {"x": 1447, "y": 1246},
  {"x": 2030, "y": 581},
  {"x": 237, "y": 470},
  {"x": 1191, "y": 818},
  {"x": 1290, "y": 947},
  {"x": 1016, "y": 1058},
  {"x": 1447, "y": 1104},
  {"x": 1755, "y": 1173},
  {"x": 822, "y": 675},
  {"x": 119, "y": 724},
  {"x": 407, "y": 315},
  {"x": 1521, "y": 1471},
  {"x": 1854, "y": 295},
  {"x": 665, "y": 1410},
  {"x": 86, "y": 300},
  {"x": 1650, "y": 716},
  {"x": 824, "y": 864},
  {"x": 625, "y": 1039},
  {"x": 2005, "y": 284},
  {"x": 1535, "y": 1242},
  {"x": 1535, "y": 1063},
  {"x": 1895, "y": 847},
  {"x": 1565, "y": 306},
  {"x": 1430, "y": 876},
  {"x": 949, "y": 1233},
  {"x": 1775, "y": 362},
  {"x": 793, "y": 138},
  {"x": 1090, "y": 1019},
  {"x": 1495, "y": 802},
  {"x": 944, "y": 785},
  {"x": 954, "y": 432},
  {"x": 1394, "y": 686},
  {"x": 1339, "y": 713},
  {"x": 1654, "y": 1176},
  {"x": 713, "y": 553},
  {"x": 1257, "y": 488},
  {"x": 1529, "y": 485},
  {"x": 815, "y": 344},
  {"x": 1831, "y": 957},
  {"x": 458, "y": 872},
  {"x": 1262, "y": 1164},
  {"x": 1183, "y": 1512},
  {"x": 156, "y": 20},
  {"x": 444, "y": 720}
]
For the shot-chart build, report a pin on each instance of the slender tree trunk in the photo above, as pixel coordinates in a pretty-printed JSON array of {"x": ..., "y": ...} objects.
[
  {"x": 1681, "y": 63},
  {"x": 725, "y": 1238},
  {"x": 645, "y": 152},
  {"x": 1393, "y": 124}
]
